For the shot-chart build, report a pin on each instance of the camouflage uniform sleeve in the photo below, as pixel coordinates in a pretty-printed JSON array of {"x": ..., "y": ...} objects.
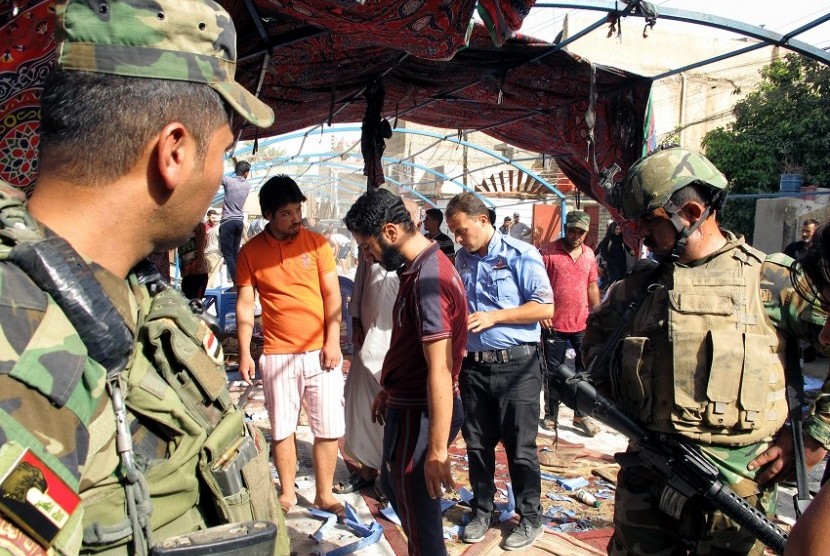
[
  {"x": 798, "y": 319},
  {"x": 49, "y": 390}
]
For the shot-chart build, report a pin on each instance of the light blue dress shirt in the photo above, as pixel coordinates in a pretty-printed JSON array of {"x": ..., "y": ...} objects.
[{"x": 509, "y": 275}]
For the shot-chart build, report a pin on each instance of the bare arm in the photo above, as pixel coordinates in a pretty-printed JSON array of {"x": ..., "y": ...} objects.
[
  {"x": 811, "y": 533},
  {"x": 244, "y": 330},
  {"x": 593, "y": 295},
  {"x": 439, "y": 399},
  {"x": 530, "y": 312},
  {"x": 330, "y": 355}
]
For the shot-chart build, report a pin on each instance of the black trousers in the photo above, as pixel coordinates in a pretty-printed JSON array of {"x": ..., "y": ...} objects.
[
  {"x": 501, "y": 403},
  {"x": 405, "y": 445},
  {"x": 556, "y": 343},
  {"x": 230, "y": 238}
]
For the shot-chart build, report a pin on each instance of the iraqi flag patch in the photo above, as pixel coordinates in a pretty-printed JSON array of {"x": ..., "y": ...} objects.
[
  {"x": 213, "y": 347},
  {"x": 34, "y": 497}
]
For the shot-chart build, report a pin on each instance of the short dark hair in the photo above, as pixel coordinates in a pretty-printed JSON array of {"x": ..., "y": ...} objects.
[
  {"x": 242, "y": 167},
  {"x": 467, "y": 203},
  {"x": 492, "y": 214},
  {"x": 815, "y": 261},
  {"x": 374, "y": 209},
  {"x": 211, "y": 212},
  {"x": 697, "y": 192},
  {"x": 812, "y": 221},
  {"x": 94, "y": 126},
  {"x": 278, "y": 192},
  {"x": 434, "y": 214}
]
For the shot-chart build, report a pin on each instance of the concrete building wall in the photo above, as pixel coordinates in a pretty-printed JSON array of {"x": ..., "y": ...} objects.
[{"x": 688, "y": 104}]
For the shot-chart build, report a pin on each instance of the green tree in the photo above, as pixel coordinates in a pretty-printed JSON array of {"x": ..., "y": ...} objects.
[{"x": 782, "y": 127}]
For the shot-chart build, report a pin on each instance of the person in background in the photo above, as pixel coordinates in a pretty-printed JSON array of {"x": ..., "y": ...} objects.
[
  {"x": 796, "y": 248},
  {"x": 236, "y": 188},
  {"x": 213, "y": 255},
  {"x": 192, "y": 263},
  {"x": 572, "y": 270},
  {"x": 520, "y": 230},
  {"x": 419, "y": 403},
  {"x": 373, "y": 297},
  {"x": 811, "y": 532},
  {"x": 505, "y": 227},
  {"x": 342, "y": 247},
  {"x": 508, "y": 293},
  {"x": 102, "y": 449},
  {"x": 294, "y": 272},
  {"x": 612, "y": 253},
  {"x": 433, "y": 218}
]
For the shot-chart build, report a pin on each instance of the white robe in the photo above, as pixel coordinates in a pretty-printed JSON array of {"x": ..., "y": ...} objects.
[{"x": 374, "y": 295}]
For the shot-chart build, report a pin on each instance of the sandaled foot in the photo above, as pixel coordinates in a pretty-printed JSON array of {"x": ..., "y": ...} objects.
[
  {"x": 286, "y": 505},
  {"x": 586, "y": 426},
  {"x": 355, "y": 482},
  {"x": 337, "y": 509}
]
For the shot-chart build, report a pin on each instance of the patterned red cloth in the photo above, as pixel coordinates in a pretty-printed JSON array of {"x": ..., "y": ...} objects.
[
  {"x": 569, "y": 279},
  {"x": 26, "y": 57}
]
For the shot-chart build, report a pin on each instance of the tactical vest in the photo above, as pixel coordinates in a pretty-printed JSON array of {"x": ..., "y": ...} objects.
[
  {"x": 199, "y": 464},
  {"x": 701, "y": 358}
]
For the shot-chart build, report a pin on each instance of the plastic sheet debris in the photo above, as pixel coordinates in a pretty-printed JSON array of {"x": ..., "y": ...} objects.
[
  {"x": 389, "y": 513},
  {"x": 376, "y": 532},
  {"x": 604, "y": 494},
  {"x": 572, "y": 484},
  {"x": 549, "y": 477},
  {"x": 451, "y": 532},
  {"x": 447, "y": 503},
  {"x": 322, "y": 531},
  {"x": 369, "y": 533},
  {"x": 465, "y": 494},
  {"x": 508, "y": 511},
  {"x": 558, "y": 497}
]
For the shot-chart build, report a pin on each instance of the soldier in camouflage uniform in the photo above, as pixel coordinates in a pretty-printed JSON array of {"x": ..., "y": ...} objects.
[
  {"x": 811, "y": 532},
  {"x": 112, "y": 447},
  {"x": 703, "y": 357}
]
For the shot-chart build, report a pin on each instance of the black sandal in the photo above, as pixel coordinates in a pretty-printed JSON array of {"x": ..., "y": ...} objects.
[{"x": 355, "y": 482}]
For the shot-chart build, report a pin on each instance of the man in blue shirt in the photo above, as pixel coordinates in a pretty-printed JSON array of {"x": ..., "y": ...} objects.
[
  {"x": 230, "y": 230},
  {"x": 508, "y": 293}
]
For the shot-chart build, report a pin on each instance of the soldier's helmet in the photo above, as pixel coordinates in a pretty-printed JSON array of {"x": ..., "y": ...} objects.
[{"x": 653, "y": 179}]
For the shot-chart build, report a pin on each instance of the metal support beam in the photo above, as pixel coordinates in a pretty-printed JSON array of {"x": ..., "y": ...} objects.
[{"x": 708, "y": 20}]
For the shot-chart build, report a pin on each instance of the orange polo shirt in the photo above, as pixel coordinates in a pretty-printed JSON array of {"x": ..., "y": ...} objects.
[{"x": 287, "y": 275}]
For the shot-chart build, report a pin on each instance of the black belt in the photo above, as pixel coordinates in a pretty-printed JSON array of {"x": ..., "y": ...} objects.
[{"x": 502, "y": 355}]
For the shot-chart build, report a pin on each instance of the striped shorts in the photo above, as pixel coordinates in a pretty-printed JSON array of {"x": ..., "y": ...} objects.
[{"x": 297, "y": 378}]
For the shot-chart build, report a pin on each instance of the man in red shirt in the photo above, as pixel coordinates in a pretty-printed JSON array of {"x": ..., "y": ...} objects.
[
  {"x": 572, "y": 269},
  {"x": 419, "y": 404}
]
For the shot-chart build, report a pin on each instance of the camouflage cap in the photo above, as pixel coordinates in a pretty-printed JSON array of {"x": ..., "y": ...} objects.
[
  {"x": 181, "y": 40},
  {"x": 653, "y": 179},
  {"x": 578, "y": 219}
]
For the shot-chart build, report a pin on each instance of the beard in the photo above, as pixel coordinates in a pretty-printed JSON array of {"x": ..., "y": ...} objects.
[{"x": 391, "y": 258}]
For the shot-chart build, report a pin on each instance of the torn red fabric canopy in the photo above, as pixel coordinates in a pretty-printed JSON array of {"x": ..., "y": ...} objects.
[{"x": 312, "y": 60}]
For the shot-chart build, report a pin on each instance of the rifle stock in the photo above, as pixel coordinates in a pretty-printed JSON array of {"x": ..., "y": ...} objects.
[{"x": 678, "y": 463}]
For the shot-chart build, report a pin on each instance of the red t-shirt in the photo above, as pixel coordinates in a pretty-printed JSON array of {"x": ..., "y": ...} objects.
[
  {"x": 569, "y": 279},
  {"x": 431, "y": 305}
]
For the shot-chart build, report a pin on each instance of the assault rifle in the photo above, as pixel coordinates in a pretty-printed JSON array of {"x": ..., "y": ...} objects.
[{"x": 679, "y": 464}]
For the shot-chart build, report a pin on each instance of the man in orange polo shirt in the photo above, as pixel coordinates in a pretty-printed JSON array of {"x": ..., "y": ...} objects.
[{"x": 294, "y": 271}]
